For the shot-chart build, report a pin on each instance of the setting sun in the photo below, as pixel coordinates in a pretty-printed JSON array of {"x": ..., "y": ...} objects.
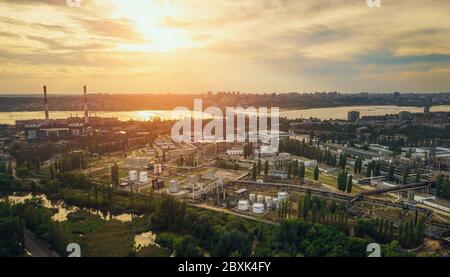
[{"x": 147, "y": 17}]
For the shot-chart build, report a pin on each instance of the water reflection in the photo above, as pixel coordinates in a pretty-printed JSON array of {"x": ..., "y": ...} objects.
[
  {"x": 148, "y": 115},
  {"x": 144, "y": 240},
  {"x": 63, "y": 210}
]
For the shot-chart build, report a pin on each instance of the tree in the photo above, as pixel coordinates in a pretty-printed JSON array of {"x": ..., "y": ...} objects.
[
  {"x": 391, "y": 172},
  {"x": 52, "y": 172},
  {"x": 259, "y": 166},
  {"x": 343, "y": 161},
  {"x": 289, "y": 170},
  {"x": 350, "y": 184},
  {"x": 301, "y": 172},
  {"x": 10, "y": 169},
  {"x": 405, "y": 175},
  {"x": 254, "y": 172},
  {"x": 316, "y": 173},
  {"x": 266, "y": 168},
  {"x": 420, "y": 231},
  {"x": 115, "y": 174}
]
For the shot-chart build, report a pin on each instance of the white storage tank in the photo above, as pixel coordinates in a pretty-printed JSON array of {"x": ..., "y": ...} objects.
[
  {"x": 143, "y": 177},
  {"x": 133, "y": 175},
  {"x": 173, "y": 187},
  {"x": 258, "y": 208},
  {"x": 282, "y": 196},
  {"x": 252, "y": 197},
  {"x": 158, "y": 168},
  {"x": 243, "y": 205},
  {"x": 260, "y": 198}
]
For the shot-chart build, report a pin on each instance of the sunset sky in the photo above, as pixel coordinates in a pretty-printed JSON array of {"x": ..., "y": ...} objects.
[{"x": 192, "y": 46}]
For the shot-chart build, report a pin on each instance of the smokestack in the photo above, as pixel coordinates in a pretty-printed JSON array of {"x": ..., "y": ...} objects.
[
  {"x": 86, "y": 114},
  {"x": 46, "y": 105}
]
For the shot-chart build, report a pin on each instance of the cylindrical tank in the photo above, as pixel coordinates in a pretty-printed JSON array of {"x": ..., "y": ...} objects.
[
  {"x": 158, "y": 168},
  {"x": 252, "y": 197},
  {"x": 258, "y": 208},
  {"x": 133, "y": 175},
  {"x": 243, "y": 205},
  {"x": 173, "y": 187},
  {"x": 260, "y": 198},
  {"x": 143, "y": 177},
  {"x": 283, "y": 196}
]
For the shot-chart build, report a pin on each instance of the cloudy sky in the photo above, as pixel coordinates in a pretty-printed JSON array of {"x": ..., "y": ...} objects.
[{"x": 185, "y": 46}]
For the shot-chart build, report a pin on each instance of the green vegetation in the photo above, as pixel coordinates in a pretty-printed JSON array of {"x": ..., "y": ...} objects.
[
  {"x": 316, "y": 173},
  {"x": 11, "y": 233},
  {"x": 443, "y": 187},
  {"x": 301, "y": 148}
]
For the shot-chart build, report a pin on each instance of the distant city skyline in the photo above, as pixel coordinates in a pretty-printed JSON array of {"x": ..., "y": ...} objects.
[{"x": 191, "y": 46}]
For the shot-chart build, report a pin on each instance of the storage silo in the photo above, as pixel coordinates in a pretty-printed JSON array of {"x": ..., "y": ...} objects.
[
  {"x": 174, "y": 187},
  {"x": 252, "y": 197},
  {"x": 258, "y": 208},
  {"x": 243, "y": 205},
  {"x": 282, "y": 196},
  {"x": 260, "y": 199},
  {"x": 158, "y": 168},
  {"x": 133, "y": 175},
  {"x": 143, "y": 177}
]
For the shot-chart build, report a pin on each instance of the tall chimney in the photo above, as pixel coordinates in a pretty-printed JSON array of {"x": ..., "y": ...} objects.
[
  {"x": 46, "y": 105},
  {"x": 86, "y": 114}
]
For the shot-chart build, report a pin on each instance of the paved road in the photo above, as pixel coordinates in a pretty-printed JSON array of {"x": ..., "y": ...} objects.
[
  {"x": 223, "y": 210},
  {"x": 36, "y": 247}
]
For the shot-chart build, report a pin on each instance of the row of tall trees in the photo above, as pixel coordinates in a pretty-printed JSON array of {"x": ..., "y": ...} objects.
[
  {"x": 358, "y": 165},
  {"x": 409, "y": 234},
  {"x": 317, "y": 210},
  {"x": 301, "y": 148},
  {"x": 70, "y": 161},
  {"x": 345, "y": 182}
]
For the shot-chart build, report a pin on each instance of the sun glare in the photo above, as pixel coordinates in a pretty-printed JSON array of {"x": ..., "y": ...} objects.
[{"x": 147, "y": 17}]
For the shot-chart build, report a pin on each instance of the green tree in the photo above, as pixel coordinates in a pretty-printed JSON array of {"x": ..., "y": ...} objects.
[
  {"x": 254, "y": 172},
  {"x": 350, "y": 184},
  {"x": 316, "y": 173},
  {"x": 420, "y": 231},
  {"x": 266, "y": 168},
  {"x": 115, "y": 174},
  {"x": 259, "y": 166},
  {"x": 405, "y": 175},
  {"x": 301, "y": 171},
  {"x": 391, "y": 172},
  {"x": 10, "y": 169},
  {"x": 52, "y": 172}
]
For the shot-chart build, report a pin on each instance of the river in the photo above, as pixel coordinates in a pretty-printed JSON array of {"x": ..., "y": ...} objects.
[{"x": 321, "y": 113}]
